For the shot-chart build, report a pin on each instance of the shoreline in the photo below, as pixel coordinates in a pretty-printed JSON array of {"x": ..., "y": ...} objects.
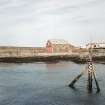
[{"x": 52, "y": 58}]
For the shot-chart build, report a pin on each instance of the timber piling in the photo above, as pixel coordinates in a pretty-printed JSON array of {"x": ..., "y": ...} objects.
[{"x": 91, "y": 75}]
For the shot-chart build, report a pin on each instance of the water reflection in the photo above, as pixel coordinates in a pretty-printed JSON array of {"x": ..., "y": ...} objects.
[{"x": 58, "y": 65}]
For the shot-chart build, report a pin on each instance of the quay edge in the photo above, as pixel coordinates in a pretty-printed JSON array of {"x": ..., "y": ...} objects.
[{"x": 51, "y": 58}]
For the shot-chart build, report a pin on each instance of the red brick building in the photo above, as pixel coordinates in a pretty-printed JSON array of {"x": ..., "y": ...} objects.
[{"x": 58, "y": 46}]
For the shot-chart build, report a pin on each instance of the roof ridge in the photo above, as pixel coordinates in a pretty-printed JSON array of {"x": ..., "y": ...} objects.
[{"x": 58, "y": 41}]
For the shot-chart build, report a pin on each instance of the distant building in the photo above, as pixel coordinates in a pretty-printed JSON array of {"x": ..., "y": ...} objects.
[
  {"x": 95, "y": 45},
  {"x": 58, "y": 46},
  {"x": 98, "y": 48}
]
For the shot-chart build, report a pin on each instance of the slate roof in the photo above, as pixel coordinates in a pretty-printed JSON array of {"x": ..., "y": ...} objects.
[{"x": 58, "y": 41}]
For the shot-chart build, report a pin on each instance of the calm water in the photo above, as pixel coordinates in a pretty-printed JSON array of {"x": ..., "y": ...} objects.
[{"x": 46, "y": 84}]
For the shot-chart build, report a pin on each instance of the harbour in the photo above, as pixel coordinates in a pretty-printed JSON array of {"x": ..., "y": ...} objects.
[{"x": 53, "y": 50}]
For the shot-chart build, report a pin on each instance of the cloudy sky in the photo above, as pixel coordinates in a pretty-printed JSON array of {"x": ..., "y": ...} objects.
[{"x": 32, "y": 22}]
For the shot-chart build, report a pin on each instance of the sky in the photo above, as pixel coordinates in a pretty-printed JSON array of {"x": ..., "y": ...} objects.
[{"x": 33, "y": 22}]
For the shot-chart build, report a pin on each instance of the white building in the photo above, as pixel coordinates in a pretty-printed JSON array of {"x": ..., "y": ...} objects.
[{"x": 95, "y": 45}]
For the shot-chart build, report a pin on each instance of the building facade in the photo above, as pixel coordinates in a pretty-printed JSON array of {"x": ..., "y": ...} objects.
[
  {"x": 58, "y": 46},
  {"x": 95, "y": 45},
  {"x": 98, "y": 49}
]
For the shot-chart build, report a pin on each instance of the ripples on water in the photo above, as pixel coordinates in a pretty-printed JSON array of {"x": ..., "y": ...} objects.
[{"x": 47, "y": 84}]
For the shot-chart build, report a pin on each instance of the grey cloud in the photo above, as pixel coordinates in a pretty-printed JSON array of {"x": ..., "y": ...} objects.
[
  {"x": 72, "y": 7},
  {"x": 68, "y": 19}
]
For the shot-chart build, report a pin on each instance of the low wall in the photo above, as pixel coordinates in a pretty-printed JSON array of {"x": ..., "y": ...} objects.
[
  {"x": 20, "y": 51},
  {"x": 31, "y": 54}
]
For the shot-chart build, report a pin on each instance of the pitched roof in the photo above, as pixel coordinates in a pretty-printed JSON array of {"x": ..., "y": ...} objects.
[{"x": 58, "y": 41}]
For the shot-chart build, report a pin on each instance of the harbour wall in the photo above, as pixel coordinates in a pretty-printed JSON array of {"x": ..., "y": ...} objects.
[
  {"x": 32, "y": 54},
  {"x": 20, "y": 51}
]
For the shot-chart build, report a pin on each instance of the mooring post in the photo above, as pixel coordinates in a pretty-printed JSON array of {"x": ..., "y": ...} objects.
[
  {"x": 90, "y": 71},
  {"x": 89, "y": 81},
  {"x": 91, "y": 74},
  {"x": 75, "y": 80},
  {"x": 97, "y": 85}
]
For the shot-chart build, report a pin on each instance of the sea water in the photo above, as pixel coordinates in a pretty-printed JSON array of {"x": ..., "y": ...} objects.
[{"x": 46, "y": 83}]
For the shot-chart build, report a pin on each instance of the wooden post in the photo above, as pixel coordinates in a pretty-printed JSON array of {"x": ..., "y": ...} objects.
[
  {"x": 91, "y": 75},
  {"x": 75, "y": 80},
  {"x": 89, "y": 81},
  {"x": 97, "y": 85}
]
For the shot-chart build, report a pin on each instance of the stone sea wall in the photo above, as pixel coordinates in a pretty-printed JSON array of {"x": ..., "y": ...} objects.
[
  {"x": 32, "y": 54},
  {"x": 20, "y": 51}
]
